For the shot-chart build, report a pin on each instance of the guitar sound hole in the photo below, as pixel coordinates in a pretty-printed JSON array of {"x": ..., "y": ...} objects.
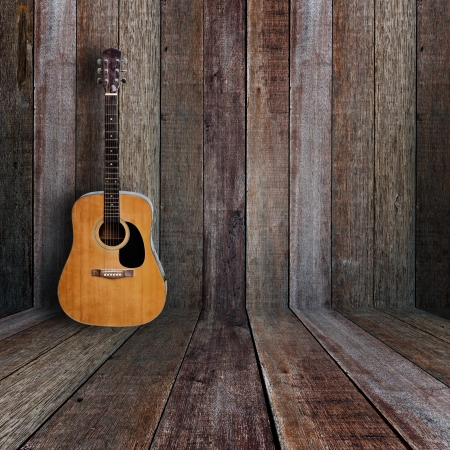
[{"x": 112, "y": 234}]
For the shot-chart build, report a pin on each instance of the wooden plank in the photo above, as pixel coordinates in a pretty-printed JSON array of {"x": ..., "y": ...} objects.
[
  {"x": 31, "y": 395},
  {"x": 429, "y": 323},
  {"x": 310, "y": 149},
  {"x": 54, "y": 143},
  {"x": 29, "y": 344},
  {"x": 135, "y": 382},
  {"x": 97, "y": 30},
  {"x": 16, "y": 169},
  {"x": 139, "y": 119},
  {"x": 21, "y": 321},
  {"x": 353, "y": 153},
  {"x": 268, "y": 151},
  {"x": 314, "y": 404},
  {"x": 424, "y": 350},
  {"x": 395, "y": 144},
  {"x": 182, "y": 150},
  {"x": 412, "y": 401},
  {"x": 217, "y": 399},
  {"x": 433, "y": 153}
]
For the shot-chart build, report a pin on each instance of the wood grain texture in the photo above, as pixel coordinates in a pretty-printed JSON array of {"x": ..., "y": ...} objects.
[
  {"x": 182, "y": 150},
  {"x": 139, "y": 117},
  {"x": 313, "y": 403},
  {"x": 29, "y": 396},
  {"x": 424, "y": 350},
  {"x": 217, "y": 401},
  {"x": 54, "y": 142},
  {"x": 353, "y": 153},
  {"x": 97, "y": 30},
  {"x": 29, "y": 344},
  {"x": 395, "y": 143},
  {"x": 16, "y": 168},
  {"x": 120, "y": 406},
  {"x": 433, "y": 154},
  {"x": 310, "y": 152},
  {"x": 267, "y": 152},
  {"x": 412, "y": 401}
]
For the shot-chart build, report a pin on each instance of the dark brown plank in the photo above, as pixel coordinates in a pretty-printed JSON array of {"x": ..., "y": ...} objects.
[
  {"x": 424, "y": 350},
  {"x": 54, "y": 143},
  {"x": 21, "y": 321},
  {"x": 314, "y": 404},
  {"x": 28, "y": 345},
  {"x": 182, "y": 150},
  {"x": 412, "y": 401},
  {"x": 30, "y": 395},
  {"x": 353, "y": 153},
  {"x": 16, "y": 168},
  {"x": 433, "y": 154},
  {"x": 97, "y": 30},
  {"x": 268, "y": 151},
  {"x": 395, "y": 145},
  {"x": 217, "y": 401},
  {"x": 120, "y": 406},
  {"x": 310, "y": 160}
]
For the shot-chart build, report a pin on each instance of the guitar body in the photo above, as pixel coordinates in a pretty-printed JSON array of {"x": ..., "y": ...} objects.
[{"x": 114, "y": 284}]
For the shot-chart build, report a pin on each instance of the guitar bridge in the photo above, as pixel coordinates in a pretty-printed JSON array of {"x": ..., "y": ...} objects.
[{"x": 112, "y": 273}]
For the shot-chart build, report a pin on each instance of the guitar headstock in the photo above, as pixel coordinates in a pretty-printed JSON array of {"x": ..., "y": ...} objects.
[{"x": 110, "y": 70}]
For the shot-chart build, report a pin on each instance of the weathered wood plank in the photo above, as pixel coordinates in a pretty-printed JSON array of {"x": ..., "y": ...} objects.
[
  {"x": 412, "y": 401},
  {"x": 353, "y": 153},
  {"x": 182, "y": 150},
  {"x": 139, "y": 118},
  {"x": 217, "y": 401},
  {"x": 54, "y": 142},
  {"x": 395, "y": 142},
  {"x": 29, "y": 396},
  {"x": 16, "y": 168},
  {"x": 97, "y": 30},
  {"x": 310, "y": 159},
  {"x": 29, "y": 344},
  {"x": 424, "y": 350},
  {"x": 267, "y": 151},
  {"x": 431, "y": 324},
  {"x": 314, "y": 404},
  {"x": 21, "y": 321},
  {"x": 433, "y": 154},
  {"x": 120, "y": 406}
]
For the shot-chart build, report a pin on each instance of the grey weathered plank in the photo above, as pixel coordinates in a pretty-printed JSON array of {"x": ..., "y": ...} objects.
[
  {"x": 424, "y": 350},
  {"x": 313, "y": 403},
  {"x": 433, "y": 154},
  {"x": 182, "y": 150},
  {"x": 395, "y": 145},
  {"x": 54, "y": 142},
  {"x": 120, "y": 406},
  {"x": 29, "y": 344},
  {"x": 267, "y": 152},
  {"x": 353, "y": 153},
  {"x": 29, "y": 396},
  {"x": 139, "y": 118},
  {"x": 16, "y": 168},
  {"x": 412, "y": 401},
  {"x": 310, "y": 152}
]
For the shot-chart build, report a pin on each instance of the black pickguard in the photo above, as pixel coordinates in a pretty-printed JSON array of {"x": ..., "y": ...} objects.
[{"x": 132, "y": 255}]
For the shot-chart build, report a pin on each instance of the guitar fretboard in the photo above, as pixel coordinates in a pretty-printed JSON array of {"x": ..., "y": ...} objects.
[{"x": 111, "y": 172}]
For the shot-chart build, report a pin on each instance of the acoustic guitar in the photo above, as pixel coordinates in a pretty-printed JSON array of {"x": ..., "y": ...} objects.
[{"x": 113, "y": 276}]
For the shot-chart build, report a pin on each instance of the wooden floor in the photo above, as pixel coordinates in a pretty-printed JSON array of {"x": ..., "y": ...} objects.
[{"x": 274, "y": 378}]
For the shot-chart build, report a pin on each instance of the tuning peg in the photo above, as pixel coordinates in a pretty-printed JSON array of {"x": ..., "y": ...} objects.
[
  {"x": 99, "y": 61},
  {"x": 123, "y": 71},
  {"x": 99, "y": 81},
  {"x": 125, "y": 60},
  {"x": 99, "y": 70},
  {"x": 123, "y": 80}
]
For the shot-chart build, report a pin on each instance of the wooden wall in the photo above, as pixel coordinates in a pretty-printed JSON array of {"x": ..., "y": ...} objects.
[{"x": 277, "y": 140}]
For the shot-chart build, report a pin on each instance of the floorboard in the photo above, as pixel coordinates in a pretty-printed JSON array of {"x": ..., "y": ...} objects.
[
  {"x": 415, "y": 403},
  {"x": 120, "y": 406},
  {"x": 313, "y": 402},
  {"x": 34, "y": 392}
]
